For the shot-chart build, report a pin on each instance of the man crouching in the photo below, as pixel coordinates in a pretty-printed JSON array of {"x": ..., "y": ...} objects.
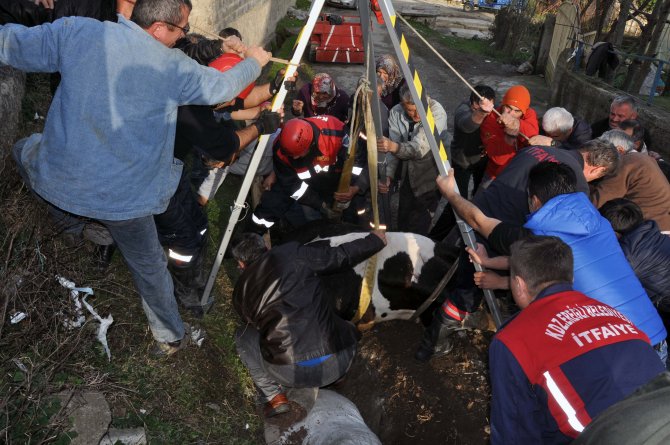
[{"x": 292, "y": 335}]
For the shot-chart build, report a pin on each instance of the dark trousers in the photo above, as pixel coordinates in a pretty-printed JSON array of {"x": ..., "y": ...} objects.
[
  {"x": 183, "y": 224},
  {"x": 463, "y": 175},
  {"x": 416, "y": 212}
]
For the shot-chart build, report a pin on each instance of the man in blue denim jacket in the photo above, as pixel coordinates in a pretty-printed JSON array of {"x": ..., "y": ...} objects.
[{"x": 107, "y": 148}]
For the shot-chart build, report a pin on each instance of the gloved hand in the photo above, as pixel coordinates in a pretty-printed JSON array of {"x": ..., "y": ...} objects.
[
  {"x": 341, "y": 206},
  {"x": 329, "y": 213},
  {"x": 267, "y": 122},
  {"x": 275, "y": 85}
]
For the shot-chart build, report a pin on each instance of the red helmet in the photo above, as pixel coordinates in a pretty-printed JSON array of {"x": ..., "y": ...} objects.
[
  {"x": 225, "y": 62},
  {"x": 296, "y": 137}
]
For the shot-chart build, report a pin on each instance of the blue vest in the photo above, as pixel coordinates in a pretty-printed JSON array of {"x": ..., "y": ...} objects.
[{"x": 601, "y": 269}]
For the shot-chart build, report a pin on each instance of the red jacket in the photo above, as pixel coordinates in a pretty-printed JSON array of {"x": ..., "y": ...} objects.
[{"x": 500, "y": 153}]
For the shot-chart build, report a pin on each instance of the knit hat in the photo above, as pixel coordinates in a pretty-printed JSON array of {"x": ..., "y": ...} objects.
[{"x": 517, "y": 96}]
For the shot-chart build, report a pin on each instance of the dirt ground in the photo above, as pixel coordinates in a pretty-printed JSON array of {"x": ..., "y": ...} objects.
[{"x": 406, "y": 402}]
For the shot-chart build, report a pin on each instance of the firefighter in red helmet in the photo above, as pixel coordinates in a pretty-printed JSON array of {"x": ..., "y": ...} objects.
[{"x": 308, "y": 158}]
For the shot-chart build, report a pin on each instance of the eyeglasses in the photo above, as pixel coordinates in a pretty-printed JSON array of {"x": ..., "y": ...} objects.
[{"x": 186, "y": 29}]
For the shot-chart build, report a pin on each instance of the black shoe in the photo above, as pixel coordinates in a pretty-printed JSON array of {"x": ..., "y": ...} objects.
[
  {"x": 103, "y": 256},
  {"x": 436, "y": 339}
]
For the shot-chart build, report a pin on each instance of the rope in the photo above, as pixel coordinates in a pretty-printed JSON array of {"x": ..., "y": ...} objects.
[
  {"x": 345, "y": 177},
  {"x": 455, "y": 71}
]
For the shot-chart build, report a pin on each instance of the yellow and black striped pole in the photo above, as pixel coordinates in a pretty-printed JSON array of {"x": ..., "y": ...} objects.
[
  {"x": 420, "y": 96},
  {"x": 416, "y": 87}
]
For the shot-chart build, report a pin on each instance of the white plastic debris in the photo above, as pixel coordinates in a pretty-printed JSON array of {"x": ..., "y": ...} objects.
[
  {"x": 197, "y": 336},
  {"x": 74, "y": 294},
  {"x": 143, "y": 411},
  {"x": 104, "y": 322},
  {"x": 17, "y": 317},
  {"x": 104, "y": 325}
]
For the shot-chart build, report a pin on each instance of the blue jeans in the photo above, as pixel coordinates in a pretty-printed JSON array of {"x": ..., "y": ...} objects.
[
  {"x": 137, "y": 240},
  {"x": 269, "y": 377}
]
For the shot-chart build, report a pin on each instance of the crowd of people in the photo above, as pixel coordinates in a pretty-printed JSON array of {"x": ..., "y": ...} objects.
[{"x": 572, "y": 219}]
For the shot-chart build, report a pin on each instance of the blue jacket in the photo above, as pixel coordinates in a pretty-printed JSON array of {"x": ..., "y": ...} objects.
[
  {"x": 107, "y": 148},
  {"x": 648, "y": 252},
  {"x": 601, "y": 269},
  {"x": 563, "y": 360}
]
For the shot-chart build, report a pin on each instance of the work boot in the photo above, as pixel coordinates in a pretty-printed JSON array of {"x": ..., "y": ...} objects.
[
  {"x": 103, "y": 256},
  {"x": 278, "y": 405},
  {"x": 436, "y": 339},
  {"x": 167, "y": 349}
]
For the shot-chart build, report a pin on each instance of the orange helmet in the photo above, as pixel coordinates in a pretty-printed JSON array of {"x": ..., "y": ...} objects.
[
  {"x": 225, "y": 62},
  {"x": 296, "y": 137}
]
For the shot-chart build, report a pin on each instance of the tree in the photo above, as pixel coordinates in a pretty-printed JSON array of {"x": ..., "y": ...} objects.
[{"x": 647, "y": 44}]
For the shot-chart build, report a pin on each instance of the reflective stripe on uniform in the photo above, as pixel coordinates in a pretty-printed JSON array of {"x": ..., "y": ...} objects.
[
  {"x": 319, "y": 169},
  {"x": 563, "y": 403},
  {"x": 304, "y": 175},
  {"x": 301, "y": 191},
  {"x": 262, "y": 221},
  {"x": 177, "y": 256},
  {"x": 356, "y": 171}
]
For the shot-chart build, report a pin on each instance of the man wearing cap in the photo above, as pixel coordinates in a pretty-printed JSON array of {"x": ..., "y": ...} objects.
[
  {"x": 308, "y": 158},
  {"x": 321, "y": 97},
  {"x": 502, "y": 135}
]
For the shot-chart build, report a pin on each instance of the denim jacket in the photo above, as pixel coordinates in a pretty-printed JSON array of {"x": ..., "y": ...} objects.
[{"x": 107, "y": 147}]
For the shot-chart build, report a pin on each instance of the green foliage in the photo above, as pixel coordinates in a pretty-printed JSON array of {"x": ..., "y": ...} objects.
[
  {"x": 34, "y": 426},
  {"x": 304, "y": 5},
  {"x": 471, "y": 46}
]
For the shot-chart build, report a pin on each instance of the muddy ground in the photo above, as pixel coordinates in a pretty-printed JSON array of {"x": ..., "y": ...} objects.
[{"x": 407, "y": 402}]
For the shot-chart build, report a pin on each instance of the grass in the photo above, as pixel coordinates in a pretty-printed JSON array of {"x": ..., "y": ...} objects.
[
  {"x": 303, "y": 5},
  {"x": 201, "y": 395},
  {"x": 470, "y": 46},
  {"x": 659, "y": 101}
]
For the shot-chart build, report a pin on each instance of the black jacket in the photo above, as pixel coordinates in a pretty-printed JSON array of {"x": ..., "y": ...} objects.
[
  {"x": 506, "y": 198},
  {"x": 25, "y": 12},
  {"x": 648, "y": 252},
  {"x": 280, "y": 295},
  {"x": 581, "y": 133}
]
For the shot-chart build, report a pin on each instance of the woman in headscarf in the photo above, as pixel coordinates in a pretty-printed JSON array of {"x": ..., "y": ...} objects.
[
  {"x": 321, "y": 97},
  {"x": 388, "y": 69}
]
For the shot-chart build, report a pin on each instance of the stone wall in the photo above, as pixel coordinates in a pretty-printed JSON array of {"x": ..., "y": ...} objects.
[
  {"x": 589, "y": 98},
  {"x": 255, "y": 19}
]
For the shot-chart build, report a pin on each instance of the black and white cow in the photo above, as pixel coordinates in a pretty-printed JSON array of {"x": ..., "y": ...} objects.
[{"x": 408, "y": 269}]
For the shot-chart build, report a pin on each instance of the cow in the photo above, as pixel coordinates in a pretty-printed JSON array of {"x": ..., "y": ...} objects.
[{"x": 407, "y": 271}]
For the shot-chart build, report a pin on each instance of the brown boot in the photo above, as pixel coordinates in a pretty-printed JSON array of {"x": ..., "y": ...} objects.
[{"x": 278, "y": 405}]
